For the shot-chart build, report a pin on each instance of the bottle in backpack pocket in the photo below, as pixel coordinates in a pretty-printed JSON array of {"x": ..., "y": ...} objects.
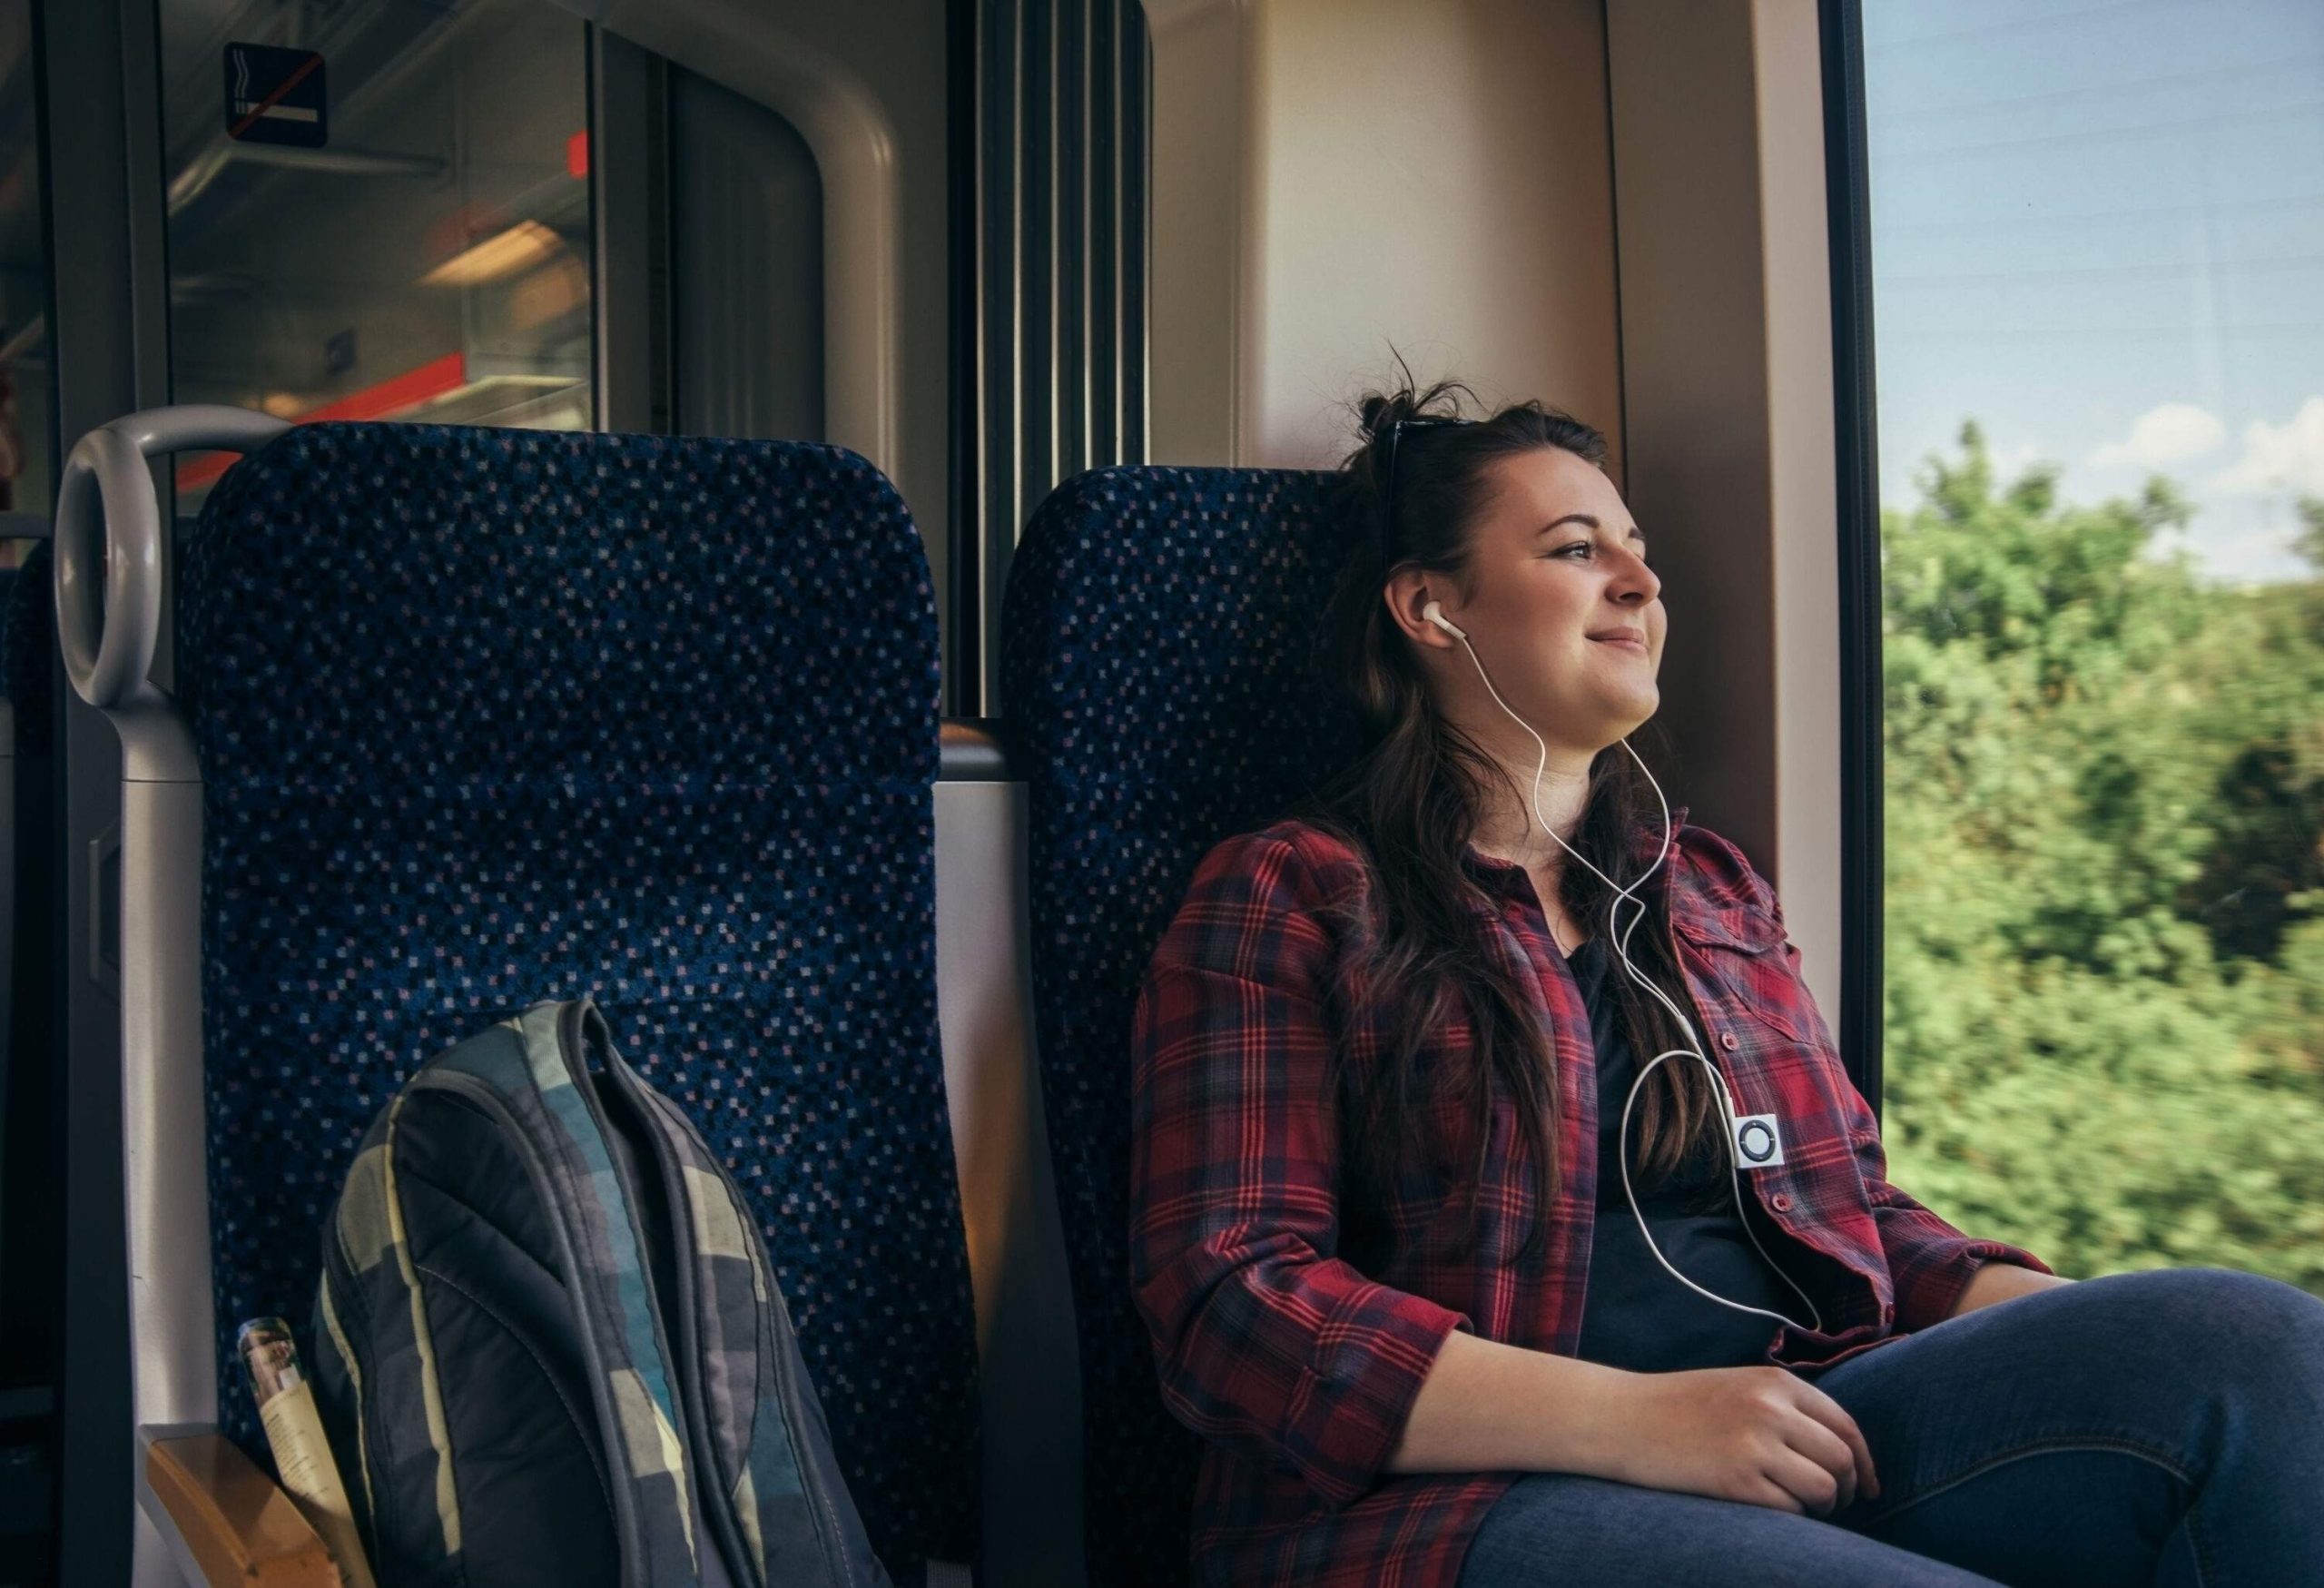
[{"x": 294, "y": 1433}]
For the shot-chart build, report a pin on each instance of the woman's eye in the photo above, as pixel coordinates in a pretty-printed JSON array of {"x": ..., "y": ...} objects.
[{"x": 1590, "y": 547}]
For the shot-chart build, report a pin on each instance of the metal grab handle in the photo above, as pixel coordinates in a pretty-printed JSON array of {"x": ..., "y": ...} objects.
[{"x": 108, "y": 516}]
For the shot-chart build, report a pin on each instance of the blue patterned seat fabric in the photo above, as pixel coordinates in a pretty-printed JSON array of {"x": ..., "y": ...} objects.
[
  {"x": 490, "y": 716},
  {"x": 1157, "y": 637}
]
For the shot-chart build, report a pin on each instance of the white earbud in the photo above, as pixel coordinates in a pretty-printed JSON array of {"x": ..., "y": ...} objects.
[
  {"x": 1620, "y": 932},
  {"x": 1434, "y": 613}
]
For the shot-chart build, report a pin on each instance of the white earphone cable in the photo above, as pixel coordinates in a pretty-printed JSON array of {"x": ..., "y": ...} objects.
[{"x": 1620, "y": 935}]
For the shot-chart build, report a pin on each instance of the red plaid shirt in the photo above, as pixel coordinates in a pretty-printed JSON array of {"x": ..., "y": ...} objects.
[{"x": 1298, "y": 1370}]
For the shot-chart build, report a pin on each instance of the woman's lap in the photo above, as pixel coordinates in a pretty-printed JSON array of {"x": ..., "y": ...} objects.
[
  {"x": 1556, "y": 1530},
  {"x": 2164, "y": 1427}
]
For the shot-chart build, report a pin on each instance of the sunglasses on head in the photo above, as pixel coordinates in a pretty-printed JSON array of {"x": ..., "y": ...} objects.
[{"x": 1395, "y": 437}]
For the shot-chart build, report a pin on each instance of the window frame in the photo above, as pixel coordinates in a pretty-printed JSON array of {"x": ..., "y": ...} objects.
[{"x": 1855, "y": 455}]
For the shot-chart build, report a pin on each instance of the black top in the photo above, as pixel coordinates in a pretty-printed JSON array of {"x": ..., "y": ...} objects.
[{"x": 1634, "y": 1315}]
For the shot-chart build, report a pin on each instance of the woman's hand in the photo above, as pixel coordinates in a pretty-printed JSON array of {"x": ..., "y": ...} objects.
[{"x": 1761, "y": 1435}]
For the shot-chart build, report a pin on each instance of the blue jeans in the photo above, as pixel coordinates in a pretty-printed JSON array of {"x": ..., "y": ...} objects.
[{"x": 2161, "y": 1428}]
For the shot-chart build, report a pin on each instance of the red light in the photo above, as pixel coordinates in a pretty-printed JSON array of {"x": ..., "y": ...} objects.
[
  {"x": 384, "y": 401},
  {"x": 576, "y": 154}
]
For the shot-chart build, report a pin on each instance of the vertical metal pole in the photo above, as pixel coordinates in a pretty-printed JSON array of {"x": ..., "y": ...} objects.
[
  {"x": 1137, "y": 66},
  {"x": 1037, "y": 145},
  {"x": 964, "y": 627},
  {"x": 1070, "y": 157},
  {"x": 1000, "y": 335},
  {"x": 1102, "y": 162}
]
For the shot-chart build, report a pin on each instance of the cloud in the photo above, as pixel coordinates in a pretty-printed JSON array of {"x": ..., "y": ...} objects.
[
  {"x": 2162, "y": 435},
  {"x": 2280, "y": 458},
  {"x": 2241, "y": 539}
]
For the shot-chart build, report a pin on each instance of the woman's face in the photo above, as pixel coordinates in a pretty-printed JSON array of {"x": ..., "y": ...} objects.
[{"x": 1559, "y": 603}]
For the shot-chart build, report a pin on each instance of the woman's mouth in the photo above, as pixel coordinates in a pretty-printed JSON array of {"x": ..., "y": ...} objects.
[{"x": 1626, "y": 642}]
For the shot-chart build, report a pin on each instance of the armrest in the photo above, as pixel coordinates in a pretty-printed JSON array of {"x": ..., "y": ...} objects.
[{"x": 227, "y": 1523}]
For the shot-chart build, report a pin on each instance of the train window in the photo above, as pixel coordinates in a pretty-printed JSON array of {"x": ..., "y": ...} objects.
[
  {"x": 2097, "y": 242},
  {"x": 378, "y": 209}
]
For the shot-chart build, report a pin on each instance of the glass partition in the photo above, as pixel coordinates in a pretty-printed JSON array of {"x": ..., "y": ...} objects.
[{"x": 408, "y": 239}]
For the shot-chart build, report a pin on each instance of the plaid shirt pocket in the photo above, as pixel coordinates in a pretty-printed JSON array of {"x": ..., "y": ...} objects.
[{"x": 1745, "y": 951}]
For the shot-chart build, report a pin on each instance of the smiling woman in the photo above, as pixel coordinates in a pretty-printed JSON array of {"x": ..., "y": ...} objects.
[
  {"x": 1438, "y": 1315},
  {"x": 1437, "y": 994}
]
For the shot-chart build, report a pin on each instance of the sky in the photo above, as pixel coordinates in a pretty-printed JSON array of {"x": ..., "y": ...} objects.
[{"x": 2098, "y": 230}]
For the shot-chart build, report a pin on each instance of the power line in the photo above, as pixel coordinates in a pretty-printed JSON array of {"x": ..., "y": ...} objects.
[
  {"x": 2086, "y": 272},
  {"x": 1957, "y": 108},
  {"x": 2083, "y": 217},
  {"x": 2033, "y": 140},
  {"x": 2012, "y": 29},
  {"x": 1983, "y": 332}
]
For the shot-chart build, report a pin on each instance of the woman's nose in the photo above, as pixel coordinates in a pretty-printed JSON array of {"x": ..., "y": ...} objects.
[{"x": 1637, "y": 582}]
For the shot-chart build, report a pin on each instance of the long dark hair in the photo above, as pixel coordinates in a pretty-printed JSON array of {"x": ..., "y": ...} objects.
[{"x": 1408, "y": 804}]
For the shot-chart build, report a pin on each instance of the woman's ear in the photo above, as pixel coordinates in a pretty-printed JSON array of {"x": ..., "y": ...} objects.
[{"x": 1408, "y": 595}]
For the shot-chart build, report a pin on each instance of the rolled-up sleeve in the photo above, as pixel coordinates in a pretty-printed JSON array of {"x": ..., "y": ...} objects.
[{"x": 1266, "y": 1340}]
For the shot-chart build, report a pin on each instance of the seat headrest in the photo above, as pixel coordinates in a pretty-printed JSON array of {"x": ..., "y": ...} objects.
[{"x": 592, "y": 608}]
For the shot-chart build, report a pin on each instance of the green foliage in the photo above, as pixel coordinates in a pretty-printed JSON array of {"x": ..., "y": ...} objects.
[{"x": 2105, "y": 882}]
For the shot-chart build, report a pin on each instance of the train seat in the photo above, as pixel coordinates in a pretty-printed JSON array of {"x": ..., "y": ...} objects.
[
  {"x": 488, "y": 716},
  {"x": 1157, "y": 638}
]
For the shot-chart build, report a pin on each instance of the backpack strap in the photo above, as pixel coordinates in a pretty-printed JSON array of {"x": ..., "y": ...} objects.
[
  {"x": 535, "y": 1069},
  {"x": 762, "y": 1444}
]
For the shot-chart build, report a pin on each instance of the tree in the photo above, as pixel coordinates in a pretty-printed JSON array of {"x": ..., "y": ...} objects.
[{"x": 2104, "y": 912}]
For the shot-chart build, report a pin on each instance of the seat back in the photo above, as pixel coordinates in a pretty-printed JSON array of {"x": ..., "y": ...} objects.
[
  {"x": 486, "y": 717},
  {"x": 1158, "y": 636}
]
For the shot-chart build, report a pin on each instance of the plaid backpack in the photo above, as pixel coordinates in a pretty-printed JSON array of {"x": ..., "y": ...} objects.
[{"x": 548, "y": 1344}]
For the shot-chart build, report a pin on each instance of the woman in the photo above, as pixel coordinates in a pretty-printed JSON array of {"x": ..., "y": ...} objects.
[{"x": 1436, "y": 1325}]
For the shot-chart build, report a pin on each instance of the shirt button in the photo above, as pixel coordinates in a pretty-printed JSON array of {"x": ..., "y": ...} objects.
[
  {"x": 1782, "y": 1202},
  {"x": 1726, "y": 1040}
]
